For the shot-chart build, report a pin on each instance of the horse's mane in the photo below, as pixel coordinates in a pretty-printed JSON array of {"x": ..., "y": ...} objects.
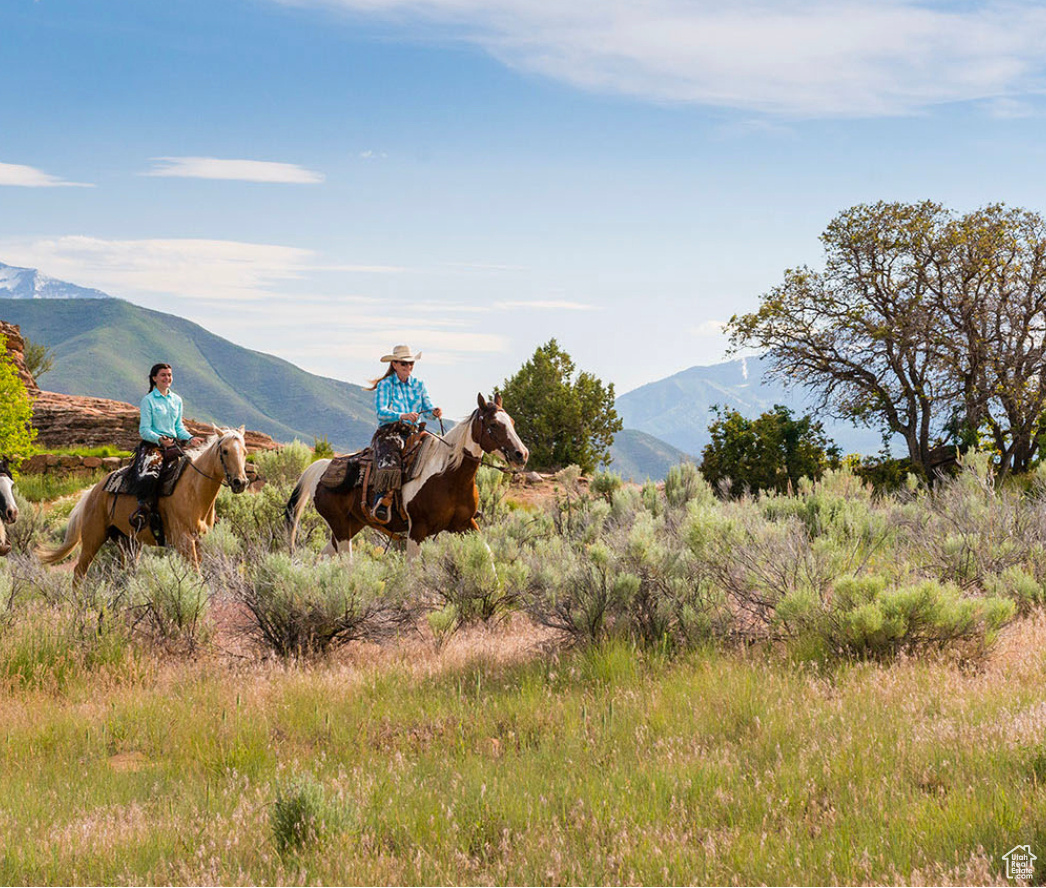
[
  {"x": 446, "y": 455},
  {"x": 208, "y": 442}
]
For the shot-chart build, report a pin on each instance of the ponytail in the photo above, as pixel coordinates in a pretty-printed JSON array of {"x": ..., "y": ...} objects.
[{"x": 374, "y": 382}]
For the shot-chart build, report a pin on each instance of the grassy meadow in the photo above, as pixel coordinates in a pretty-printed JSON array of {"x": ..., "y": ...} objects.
[{"x": 629, "y": 686}]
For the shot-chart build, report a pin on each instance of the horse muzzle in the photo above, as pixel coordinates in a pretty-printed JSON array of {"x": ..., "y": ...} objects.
[
  {"x": 10, "y": 516},
  {"x": 516, "y": 459},
  {"x": 238, "y": 485}
]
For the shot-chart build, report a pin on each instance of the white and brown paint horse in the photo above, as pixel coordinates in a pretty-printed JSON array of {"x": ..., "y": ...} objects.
[
  {"x": 442, "y": 494},
  {"x": 8, "y": 506},
  {"x": 188, "y": 513}
]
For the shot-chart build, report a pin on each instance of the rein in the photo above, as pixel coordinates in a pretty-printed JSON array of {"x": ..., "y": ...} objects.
[{"x": 199, "y": 471}]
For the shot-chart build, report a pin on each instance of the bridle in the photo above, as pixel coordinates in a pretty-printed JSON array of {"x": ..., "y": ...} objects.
[{"x": 221, "y": 459}]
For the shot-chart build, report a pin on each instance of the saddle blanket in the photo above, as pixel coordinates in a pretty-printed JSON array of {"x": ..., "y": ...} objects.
[{"x": 122, "y": 481}]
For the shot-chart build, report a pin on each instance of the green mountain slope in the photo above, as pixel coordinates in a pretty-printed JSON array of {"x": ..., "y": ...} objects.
[
  {"x": 637, "y": 456},
  {"x": 105, "y": 347}
]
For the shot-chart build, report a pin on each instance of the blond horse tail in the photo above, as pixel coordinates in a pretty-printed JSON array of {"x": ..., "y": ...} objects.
[
  {"x": 72, "y": 534},
  {"x": 304, "y": 491}
]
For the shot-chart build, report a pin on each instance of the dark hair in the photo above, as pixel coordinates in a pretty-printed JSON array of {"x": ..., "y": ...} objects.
[
  {"x": 374, "y": 382},
  {"x": 156, "y": 369}
]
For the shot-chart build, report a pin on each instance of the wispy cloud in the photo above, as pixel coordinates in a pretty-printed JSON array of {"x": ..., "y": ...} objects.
[
  {"x": 548, "y": 305},
  {"x": 30, "y": 177},
  {"x": 208, "y": 269},
  {"x": 238, "y": 170},
  {"x": 799, "y": 58}
]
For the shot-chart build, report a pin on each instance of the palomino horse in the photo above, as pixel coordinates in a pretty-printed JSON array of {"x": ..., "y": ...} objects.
[
  {"x": 188, "y": 513},
  {"x": 8, "y": 506},
  {"x": 442, "y": 494}
]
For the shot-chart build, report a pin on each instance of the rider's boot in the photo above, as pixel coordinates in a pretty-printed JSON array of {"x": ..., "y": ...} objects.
[
  {"x": 140, "y": 516},
  {"x": 380, "y": 509}
]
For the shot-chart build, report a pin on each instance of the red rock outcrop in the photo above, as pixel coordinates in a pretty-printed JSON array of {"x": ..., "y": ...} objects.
[
  {"x": 74, "y": 421},
  {"x": 16, "y": 349}
]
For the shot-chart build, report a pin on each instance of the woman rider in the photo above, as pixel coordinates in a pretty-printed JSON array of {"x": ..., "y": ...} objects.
[
  {"x": 399, "y": 400},
  {"x": 160, "y": 426}
]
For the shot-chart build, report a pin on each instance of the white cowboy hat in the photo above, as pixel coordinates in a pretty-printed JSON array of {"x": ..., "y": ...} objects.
[{"x": 401, "y": 353}]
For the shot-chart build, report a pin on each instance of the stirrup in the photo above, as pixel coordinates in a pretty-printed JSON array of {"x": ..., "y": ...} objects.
[
  {"x": 380, "y": 511},
  {"x": 139, "y": 518}
]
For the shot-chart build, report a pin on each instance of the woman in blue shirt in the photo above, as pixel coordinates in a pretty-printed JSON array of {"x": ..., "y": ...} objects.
[
  {"x": 399, "y": 401},
  {"x": 160, "y": 426}
]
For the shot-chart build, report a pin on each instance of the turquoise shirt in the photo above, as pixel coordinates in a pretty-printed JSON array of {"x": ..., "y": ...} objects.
[
  {"x": 393, "y": 398},
  {"x": 162, "y": 416}
]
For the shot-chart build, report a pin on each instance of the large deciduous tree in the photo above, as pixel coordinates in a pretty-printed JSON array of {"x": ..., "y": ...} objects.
[
  {"x": 927, "y": 324},
  {"x": 563, "y": 420}
]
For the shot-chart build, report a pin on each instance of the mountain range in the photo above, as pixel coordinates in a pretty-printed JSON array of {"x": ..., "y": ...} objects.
[
  {"x": 103, "y": 346},
  {"x": 678, "y": 409}
]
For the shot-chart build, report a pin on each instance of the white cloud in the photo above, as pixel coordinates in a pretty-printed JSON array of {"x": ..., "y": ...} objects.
[
  {"x": 195, "y": 268},
  {"x": 30, "y": 177},
  {"x": 710, "y": 328},
  {"x": 799, "y": 58},
  {"x": 239, "y": 170}
]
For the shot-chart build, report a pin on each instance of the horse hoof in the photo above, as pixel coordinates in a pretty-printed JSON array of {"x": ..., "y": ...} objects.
[{"x": 4, "y": 549}]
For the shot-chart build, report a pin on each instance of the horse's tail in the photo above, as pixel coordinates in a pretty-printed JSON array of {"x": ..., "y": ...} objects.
[
  {"x": 72, "y": 534},
  {"x": 304, "y": 491}
]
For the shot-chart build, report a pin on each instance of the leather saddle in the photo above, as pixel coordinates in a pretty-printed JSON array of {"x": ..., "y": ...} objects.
[
  {"x": 354, "y": 470},
  {"x": 122, "y": 481}
]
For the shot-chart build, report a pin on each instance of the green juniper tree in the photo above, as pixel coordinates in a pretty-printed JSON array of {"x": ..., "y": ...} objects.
[
  {"x": 769, "y": 453},
  {"x": 564, "y": 419}
]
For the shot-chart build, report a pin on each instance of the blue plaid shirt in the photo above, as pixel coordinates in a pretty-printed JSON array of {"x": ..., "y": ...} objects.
[
  {"x": 162, "y": 415},
  {"x": 393, "y": 398}
]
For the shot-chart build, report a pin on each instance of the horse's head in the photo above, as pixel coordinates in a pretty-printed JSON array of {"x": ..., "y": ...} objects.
[
  {"x": 8, "y": 506},
  {"x": 494, "y": 430},
  {"x": 232, "y": 454}
]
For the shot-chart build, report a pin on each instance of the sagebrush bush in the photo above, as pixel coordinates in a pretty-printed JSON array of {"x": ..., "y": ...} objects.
[
  {"x": 867, "y": 618},
  {"x": 458, "y": 572},
  {"x": 580, "y": 591},
  {"x": 170, "y": 599},
  {"x": 284, "y": 465},
  {"x": 302, "y": 609},
  {"x": 301, "y": 814}
]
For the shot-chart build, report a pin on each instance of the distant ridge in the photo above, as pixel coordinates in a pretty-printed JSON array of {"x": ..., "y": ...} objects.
[
  {"x": 678, "y": 409},
  {"x": 639, "y": 457},
  {"x": 104, "y": 348}
]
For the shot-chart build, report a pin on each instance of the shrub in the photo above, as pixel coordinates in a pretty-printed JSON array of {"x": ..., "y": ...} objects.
[
  {"x": 322, "y": 448},
  {"x": 458, "y": 571},
  {"x": 492, "y": 486},
  {"x": 302, "y": 609},
  {"x": 170, "y": 598},
  {"x": 604, "y": 484},
  {"x": 284, "y": 465},
  {"x": 581, "y": 592},
  {"x": 301, "y": 814},
  {"x": 868, "y": 619}
]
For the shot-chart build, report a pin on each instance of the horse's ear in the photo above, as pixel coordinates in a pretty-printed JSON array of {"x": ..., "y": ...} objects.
[
  {"x": 481, "y": 401},
  {"x": 243, "y": 430},
  {"x": 497, "y": 400}
]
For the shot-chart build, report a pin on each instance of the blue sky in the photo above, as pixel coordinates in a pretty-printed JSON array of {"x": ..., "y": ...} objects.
[{"x": 323, "y": 179}]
